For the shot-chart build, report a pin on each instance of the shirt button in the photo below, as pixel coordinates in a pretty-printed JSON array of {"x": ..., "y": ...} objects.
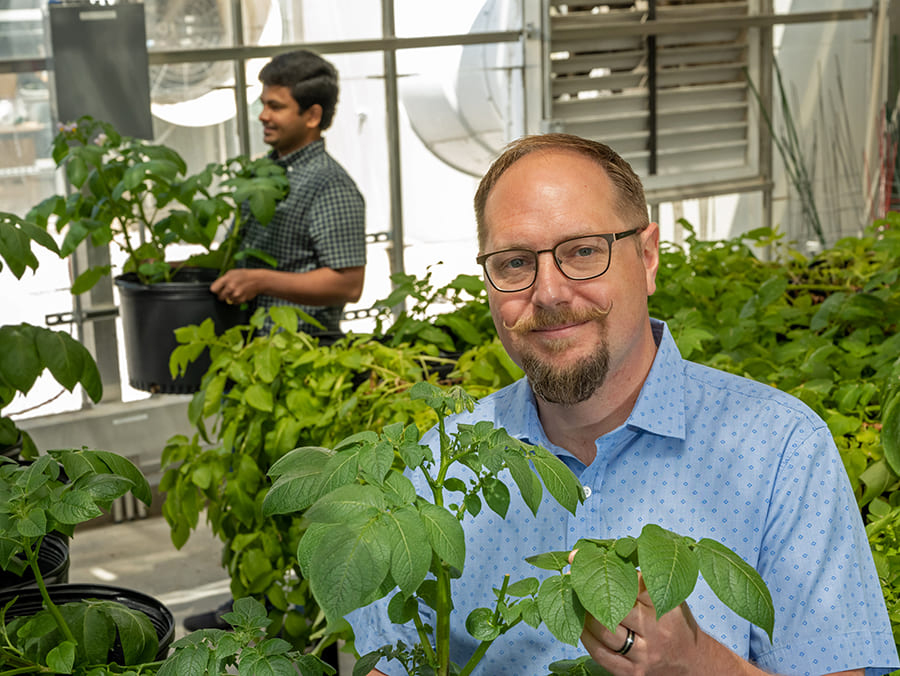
[{"x": 587, "y": 491}]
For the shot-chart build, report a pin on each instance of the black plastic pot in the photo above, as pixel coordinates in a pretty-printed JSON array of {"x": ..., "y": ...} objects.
[
  {"x": 13, "y": 451},
  {"x": 151, "y": 313},
  {"x": 53, "y": 560},
  {"x": 29, "y": 602}
]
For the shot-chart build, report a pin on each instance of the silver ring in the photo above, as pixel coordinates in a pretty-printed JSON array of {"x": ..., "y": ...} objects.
[{"x": 629, "y": 641}]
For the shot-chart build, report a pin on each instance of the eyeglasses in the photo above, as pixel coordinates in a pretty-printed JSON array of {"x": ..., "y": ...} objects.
[{"x": 578, "y": 259}]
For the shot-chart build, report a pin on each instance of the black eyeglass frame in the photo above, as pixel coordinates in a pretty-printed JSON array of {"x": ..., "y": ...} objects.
[{"x": 610, "y": 237}]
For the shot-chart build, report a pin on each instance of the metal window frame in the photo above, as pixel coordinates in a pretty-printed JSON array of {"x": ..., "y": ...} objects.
[{"x": 534, "y": 39}]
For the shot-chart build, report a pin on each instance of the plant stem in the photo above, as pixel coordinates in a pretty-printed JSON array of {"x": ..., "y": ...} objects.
[
  {"x": 32, "y": 555},
  {"x": 484, "y": 645},
  {"x": 442, "y": 631},
  {"x": 30, "y": 669},
  {"x": 424, "y": 638}
]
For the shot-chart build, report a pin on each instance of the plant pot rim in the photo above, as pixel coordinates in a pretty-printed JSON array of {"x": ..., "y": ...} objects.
[{"x": 191, "y": 277}]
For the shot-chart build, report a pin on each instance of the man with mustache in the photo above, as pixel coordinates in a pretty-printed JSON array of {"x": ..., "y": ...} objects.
[
  {"x": 570, "y": 259},
  {"x": 318, "y": 234}
]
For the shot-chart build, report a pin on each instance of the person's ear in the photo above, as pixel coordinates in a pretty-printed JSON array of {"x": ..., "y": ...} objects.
[
  {"x": 649, "y": 250},
  {"x": 313, "y": 116}
]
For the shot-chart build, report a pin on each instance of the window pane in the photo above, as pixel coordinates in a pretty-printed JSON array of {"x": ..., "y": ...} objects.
[
  {"x": 414, "y": 18},
  {"x": 21, "y": 29},
  {"x": 458, "y": 111},
  {"x": 318, "y": 21}
]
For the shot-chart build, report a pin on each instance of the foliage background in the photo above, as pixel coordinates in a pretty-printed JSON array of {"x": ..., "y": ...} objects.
[{"x": 822, "y": 328}]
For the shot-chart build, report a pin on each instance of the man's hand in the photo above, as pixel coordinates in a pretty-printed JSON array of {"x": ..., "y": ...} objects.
[
  {"x": 642, "y": 645},
  {"x": 319, "y": 287},
  {"x": 674, "y": 645},
  {"x": 236, "y": 286}
]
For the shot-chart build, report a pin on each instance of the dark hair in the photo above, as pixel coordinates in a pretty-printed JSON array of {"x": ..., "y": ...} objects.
[
  {"x": 310, "y": 78},
  {"x": 630, "y": 200}
]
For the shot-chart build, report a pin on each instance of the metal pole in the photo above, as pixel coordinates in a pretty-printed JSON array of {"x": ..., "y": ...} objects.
[
  {"x": 766, "y": 59},
  {"x": 240, "y": 80},
  {"x": 653, "y": 141},
  {"x": 395, "y": 251}
]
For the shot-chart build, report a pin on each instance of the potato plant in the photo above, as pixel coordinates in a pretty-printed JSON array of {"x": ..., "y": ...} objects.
[{"x": 374, "y": 533}]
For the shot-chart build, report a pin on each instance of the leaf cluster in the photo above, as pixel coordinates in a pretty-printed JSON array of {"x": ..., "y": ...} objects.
[
  {"x": 139, "y": 196},
  {"x": 603, "y": 580},
  {"x": 263, "y": 395},
  {"x": 55, "y": 493},
  {"x": 824, "y": 329},
  {"x": 244, "y": 649},
  {"x": 370, "y": 533},
  {"x": 452, "y": 318},
  {"x": 26, "y": 351}
]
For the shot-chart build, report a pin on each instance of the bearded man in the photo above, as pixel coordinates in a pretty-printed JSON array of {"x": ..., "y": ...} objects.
[{"x": 570, "y": 259}]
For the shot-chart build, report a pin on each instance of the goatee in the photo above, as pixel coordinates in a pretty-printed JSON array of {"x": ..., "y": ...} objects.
[
  {"x": 571, "y": 385},
  {"x": 567, "y": 386}
]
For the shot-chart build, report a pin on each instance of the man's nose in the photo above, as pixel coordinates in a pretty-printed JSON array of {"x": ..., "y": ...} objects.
[{"x": 551, "y": 286}]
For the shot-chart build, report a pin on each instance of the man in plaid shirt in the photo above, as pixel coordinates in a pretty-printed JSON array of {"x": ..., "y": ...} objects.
[{"x": 318, "y": 232}]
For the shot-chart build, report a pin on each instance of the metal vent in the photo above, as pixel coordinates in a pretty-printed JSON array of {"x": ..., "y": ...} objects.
[{"x": 672, "y": 104}]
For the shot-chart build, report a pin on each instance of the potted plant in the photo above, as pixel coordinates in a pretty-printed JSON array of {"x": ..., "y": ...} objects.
[
  {"x": 375, "y": 533},
  {"x": 72, "y": 629},
  {"x": 245, "y": 647},
  {"x": 264, "y": 394},
  {"x": 139, "y": 196},
  {"x": 27, "y": 351}
]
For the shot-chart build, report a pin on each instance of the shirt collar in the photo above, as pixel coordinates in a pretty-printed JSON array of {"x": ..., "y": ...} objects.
[
  {"x": 310, "y": 149},
  {"x": 660, "y": 405}
]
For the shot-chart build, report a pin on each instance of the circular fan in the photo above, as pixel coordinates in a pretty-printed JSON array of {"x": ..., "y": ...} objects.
[{"x": 201, "y": 93}]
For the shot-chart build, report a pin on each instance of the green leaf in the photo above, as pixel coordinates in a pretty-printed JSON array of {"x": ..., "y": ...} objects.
[
  {"x": 298, "y": 478},
  {"x": 252, "y": 663},
  {"x": 409, "y": 559},
  {"x": 890, "y": 431},
  {"x": 138, "y": 637},
  {"x": 88, "y": 279},
  {"x": 527, "y": 587},
  {"x": 737, "y": 584},
  {"x": 20, "y": 364},
  {"x": 560, "y": 481},
  {"x": 348, "y": 567},
  {"x": 550, "y": 560},
  {"x": 444, "y": 533},
  {"x": 481, "y": 625},
  {"x": 496, "y": 494},
  {"x": 607, "y": 586},
  {"x": 669, "y": 567},
  {"x": 74, "y": 507},
  {"x": 347, "y": 503},
  {"x": 259, "y": 397},
  {"x": 124, "y": 467},
  {"x": 528, "y": 482},
  {"x": 560, "y": 609},
  {"x": 62, "y": 657}
]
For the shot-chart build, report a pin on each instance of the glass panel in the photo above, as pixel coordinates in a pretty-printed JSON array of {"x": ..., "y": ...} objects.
[
  {"x": 21, "y": 29},
  {"x": 200, "y": 24},
  {"x": 459, "y": 110},
  {"x": 414, "y": 18},
  {"x": 317, "y": 21}
]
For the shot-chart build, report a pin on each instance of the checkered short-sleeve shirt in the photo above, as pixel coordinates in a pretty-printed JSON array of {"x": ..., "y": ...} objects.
[{"x": 321, "y": 223}]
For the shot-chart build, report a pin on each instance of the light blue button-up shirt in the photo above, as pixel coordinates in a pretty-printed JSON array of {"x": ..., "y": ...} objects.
[{"x": 705, "y": 454}]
